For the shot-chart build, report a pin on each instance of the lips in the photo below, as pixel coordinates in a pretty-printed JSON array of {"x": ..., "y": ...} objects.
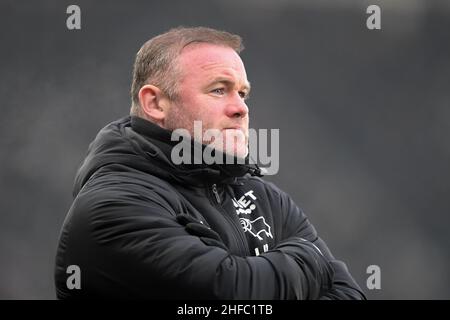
[{"x": 234, "y": 128}]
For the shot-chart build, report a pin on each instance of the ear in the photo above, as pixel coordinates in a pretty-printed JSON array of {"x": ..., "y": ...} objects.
[{"x": 154, "y": 104}]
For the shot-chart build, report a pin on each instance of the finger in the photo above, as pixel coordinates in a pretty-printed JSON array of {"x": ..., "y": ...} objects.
[
  {"x": 184, "y": 219},
  {"x": 214, "y": 243},
  {"x": 202, "y": 231}
]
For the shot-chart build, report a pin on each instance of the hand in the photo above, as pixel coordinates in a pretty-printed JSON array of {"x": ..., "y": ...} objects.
[
  {"x": 197, "y": 228},
  {"x": 319, "y": 272}
]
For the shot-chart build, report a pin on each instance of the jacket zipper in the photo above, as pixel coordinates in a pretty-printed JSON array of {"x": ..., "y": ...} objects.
[
  {"x": 240, "y": 240},
  {"x": 216, "y": 194}
]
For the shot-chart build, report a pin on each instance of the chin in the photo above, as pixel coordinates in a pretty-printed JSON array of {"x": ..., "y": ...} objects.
[
  {"x": 233, "y": 143},
  {"x": 239, "y": 152}
]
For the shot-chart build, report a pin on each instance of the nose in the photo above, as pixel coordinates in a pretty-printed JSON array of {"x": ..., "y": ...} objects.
[{"x": 237, "y": 108}]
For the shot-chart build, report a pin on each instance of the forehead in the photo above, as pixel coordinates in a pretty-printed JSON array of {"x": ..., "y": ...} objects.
[{"x": 204, "y": 58}]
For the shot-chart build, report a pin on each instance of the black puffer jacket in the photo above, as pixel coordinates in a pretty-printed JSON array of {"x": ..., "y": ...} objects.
[{"x": 142, "y": 227}]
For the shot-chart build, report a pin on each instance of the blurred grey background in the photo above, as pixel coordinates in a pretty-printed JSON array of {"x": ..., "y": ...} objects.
[{"x": 364, "y": 119}]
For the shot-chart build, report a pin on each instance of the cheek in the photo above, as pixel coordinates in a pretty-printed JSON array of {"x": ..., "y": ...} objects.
[
  {"x": 206, "y": 109},
  {"x": 195, "y": 103},
  {"x": 201, "y": 107},
  {"x": 189, "y": 106}
]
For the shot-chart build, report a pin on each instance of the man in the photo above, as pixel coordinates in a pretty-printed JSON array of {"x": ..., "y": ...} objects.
[{"x": 142, "y": 226}]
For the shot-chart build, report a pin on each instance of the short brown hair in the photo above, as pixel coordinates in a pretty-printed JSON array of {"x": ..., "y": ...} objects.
[{"x": 156, "y": 60}]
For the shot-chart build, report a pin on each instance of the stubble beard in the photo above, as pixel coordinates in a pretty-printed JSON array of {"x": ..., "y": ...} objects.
[{"x": 234, "y": 142}]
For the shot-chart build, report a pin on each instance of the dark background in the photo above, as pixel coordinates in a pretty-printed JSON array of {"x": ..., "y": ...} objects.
[{"x": 364, "y": 119}]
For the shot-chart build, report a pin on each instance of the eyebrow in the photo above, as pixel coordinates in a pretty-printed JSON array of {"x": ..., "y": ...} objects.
[{"x": 228, "y": 81}]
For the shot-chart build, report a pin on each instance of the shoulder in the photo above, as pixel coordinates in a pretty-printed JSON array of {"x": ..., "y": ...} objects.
[
  {"x": 125, "y": 191},
  {"x": 267, "y": 188},
  {"x": 285, "y": 212}
]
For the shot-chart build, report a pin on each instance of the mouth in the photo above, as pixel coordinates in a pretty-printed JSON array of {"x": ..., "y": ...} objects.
[
  {"x": 236, "y": 132},
  {"x": 234, "y": 128}
]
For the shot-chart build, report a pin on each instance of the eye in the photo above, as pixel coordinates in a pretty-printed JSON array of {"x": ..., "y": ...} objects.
[
  {"x": 243, "y": 95},
  {"x": 219, "y": 91}
]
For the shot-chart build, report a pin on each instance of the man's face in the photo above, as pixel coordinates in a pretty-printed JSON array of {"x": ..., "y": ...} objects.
[{"x": 212, "y": 89}]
